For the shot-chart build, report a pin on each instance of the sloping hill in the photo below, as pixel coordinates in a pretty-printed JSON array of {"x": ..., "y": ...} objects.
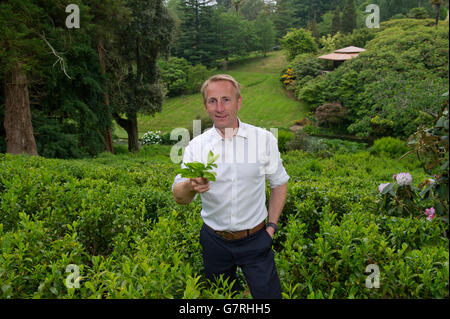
[{"x": 265, "y": 102}]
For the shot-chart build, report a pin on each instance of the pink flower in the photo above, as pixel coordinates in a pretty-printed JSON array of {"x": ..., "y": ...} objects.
[
  {"x": 382, "y": 186},
  {"x": 430, "y": 212},
  {"x": 403, "y": 179}
]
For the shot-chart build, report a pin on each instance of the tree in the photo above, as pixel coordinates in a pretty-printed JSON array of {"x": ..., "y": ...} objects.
[
  {"x": 437, "y": 4},
  {"x": 298, "y": 41},
  {"x": 265, "y": 31},
  {"x": 283, "y": 19},
  {"x": 312, "y": 27},
  {"x": 20, "y": 50},
  {"x": 349, "y": 17},
  {"x": 197, "y": 39},
  {"x": 138, "y": 88},
  {"x": 336, "y": 22},
  {"x": 108, "y": 15},
  {"x": 237, "y": 4},
  {"x": 53, "y": 106},
  {"x": 224, "y": 3},
  {"x": 233, "y": 36},
  {"x": 418, "y": 13},
  {"x": 251, "y": 9}
]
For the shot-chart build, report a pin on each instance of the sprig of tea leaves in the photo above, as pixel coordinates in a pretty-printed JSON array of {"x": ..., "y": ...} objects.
[{"x": 198, "y": 169}]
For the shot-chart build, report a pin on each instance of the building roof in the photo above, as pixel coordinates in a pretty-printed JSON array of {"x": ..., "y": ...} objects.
[
  {"x": 338, "y": 56},
  {"x": 350, "y": 49},
  {"x": 343, "y": 54}
]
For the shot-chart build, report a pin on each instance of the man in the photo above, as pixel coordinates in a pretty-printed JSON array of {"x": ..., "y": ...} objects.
[{"x": 234, "y": 210}]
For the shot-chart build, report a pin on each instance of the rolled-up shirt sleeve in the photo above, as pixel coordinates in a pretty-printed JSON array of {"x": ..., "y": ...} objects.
[{"x": 276, "y": 173}]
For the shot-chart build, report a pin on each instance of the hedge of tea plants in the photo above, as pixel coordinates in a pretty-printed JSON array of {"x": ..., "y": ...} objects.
[{"x": 114, "y": 220}]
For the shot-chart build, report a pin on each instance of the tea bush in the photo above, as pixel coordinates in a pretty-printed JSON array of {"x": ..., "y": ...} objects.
[
  {"x": 114, "y": 217},
  {"x": 389, "y": 146}
]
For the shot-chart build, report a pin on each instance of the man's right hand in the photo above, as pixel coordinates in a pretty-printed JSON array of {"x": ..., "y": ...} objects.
[{"x": 199, "y": 184}]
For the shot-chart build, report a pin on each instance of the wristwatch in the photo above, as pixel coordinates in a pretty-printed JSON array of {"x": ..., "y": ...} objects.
[{"x": 273, "y": 225}]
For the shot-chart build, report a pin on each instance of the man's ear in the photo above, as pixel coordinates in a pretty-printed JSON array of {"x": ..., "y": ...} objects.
[{"x": 239, "y": 103}]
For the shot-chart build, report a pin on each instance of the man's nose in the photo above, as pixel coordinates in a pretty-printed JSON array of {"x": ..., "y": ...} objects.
[{"x": 220, "y": 107}]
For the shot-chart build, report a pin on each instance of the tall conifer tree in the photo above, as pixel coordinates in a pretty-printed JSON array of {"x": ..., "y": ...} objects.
[
  {"x": 349, "y": 17},
  {"x": 336, "y": 22},
  {"x": 138, "y": 88}
]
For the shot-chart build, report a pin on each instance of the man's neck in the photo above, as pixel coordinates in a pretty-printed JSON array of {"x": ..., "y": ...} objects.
[{"x": 228, "y": 132}]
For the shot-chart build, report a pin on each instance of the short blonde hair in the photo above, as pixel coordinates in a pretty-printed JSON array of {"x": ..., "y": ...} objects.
[{"x": 221, "y": 77}]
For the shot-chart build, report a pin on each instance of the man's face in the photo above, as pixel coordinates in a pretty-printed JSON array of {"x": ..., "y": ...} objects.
[{"x": 222, "y": 104}]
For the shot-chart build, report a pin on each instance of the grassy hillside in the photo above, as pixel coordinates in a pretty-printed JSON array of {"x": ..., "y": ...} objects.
[{"x": 265, "y": 102}]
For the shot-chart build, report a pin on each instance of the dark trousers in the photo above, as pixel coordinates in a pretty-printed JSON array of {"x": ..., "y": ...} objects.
[{"x": 253, "y": 254}]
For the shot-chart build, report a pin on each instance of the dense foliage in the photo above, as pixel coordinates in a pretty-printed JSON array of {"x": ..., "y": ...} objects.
[
  {"x": 138, "y": 243},
  {"x": 75, "y": 88},
  {"x": 389, "y": 88},
  {"x": 298, "y": 41}
]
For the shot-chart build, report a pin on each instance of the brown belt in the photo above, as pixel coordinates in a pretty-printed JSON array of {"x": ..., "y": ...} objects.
[{"x": 233, "y": 235}]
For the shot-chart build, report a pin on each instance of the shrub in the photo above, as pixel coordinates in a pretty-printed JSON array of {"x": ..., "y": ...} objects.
[
  {"x": 287, "y": 77},
  {"x": 306, "y": 65},
  {"x": 312, "y": 130},
  {"x": 411, "y": 62},
  {"x": 389, "y": 146},
  {"x": 330, "y": 114},
  {"x": 151, "y": 138},
  {"x": 196, "y": 75},
  {"x": 54, "y": 212},
  {"x": 298, "y": 41},
  {"x": 418, "y": 13},
  {"x": 303, "y": 122},
  {"x": 283, "y": 138},
  {"x": 174, "y": 73},
  {"x": 181, "y": 77},
  {"x": 432, "y": 146}
]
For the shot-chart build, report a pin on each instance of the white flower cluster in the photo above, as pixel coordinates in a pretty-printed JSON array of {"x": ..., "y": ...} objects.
[
  {"x": 403, "y": 179},
  {"x": 152, "y": 138}
]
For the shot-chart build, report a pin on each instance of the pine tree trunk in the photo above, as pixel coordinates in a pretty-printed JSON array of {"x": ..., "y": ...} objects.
[
  {"x": 101, "y": 56},
  {"x": 17, "y": 122}
]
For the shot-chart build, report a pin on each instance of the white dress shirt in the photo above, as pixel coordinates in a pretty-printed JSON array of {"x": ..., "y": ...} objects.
[{"x": 237, "y": 199}]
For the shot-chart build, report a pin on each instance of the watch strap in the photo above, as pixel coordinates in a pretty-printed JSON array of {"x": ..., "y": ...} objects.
[{"x": 273, "y": 225}]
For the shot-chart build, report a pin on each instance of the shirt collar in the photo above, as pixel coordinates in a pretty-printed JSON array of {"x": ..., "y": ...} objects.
[{"x": 242, "y": 131}]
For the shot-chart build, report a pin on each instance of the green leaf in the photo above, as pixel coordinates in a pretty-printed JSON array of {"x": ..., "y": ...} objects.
[
  {"x": 210, "y": 176},
  {"x": 195, "y": 165},
  {"x": 440, "y": 122},
  {"x": 444, "y": 166},
  {"x": 212, "y": 158},
  {"x": 388, "y": 188}
]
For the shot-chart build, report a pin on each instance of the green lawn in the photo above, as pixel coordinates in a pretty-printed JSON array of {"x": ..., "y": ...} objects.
[{"x": 265, "y": 102}]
